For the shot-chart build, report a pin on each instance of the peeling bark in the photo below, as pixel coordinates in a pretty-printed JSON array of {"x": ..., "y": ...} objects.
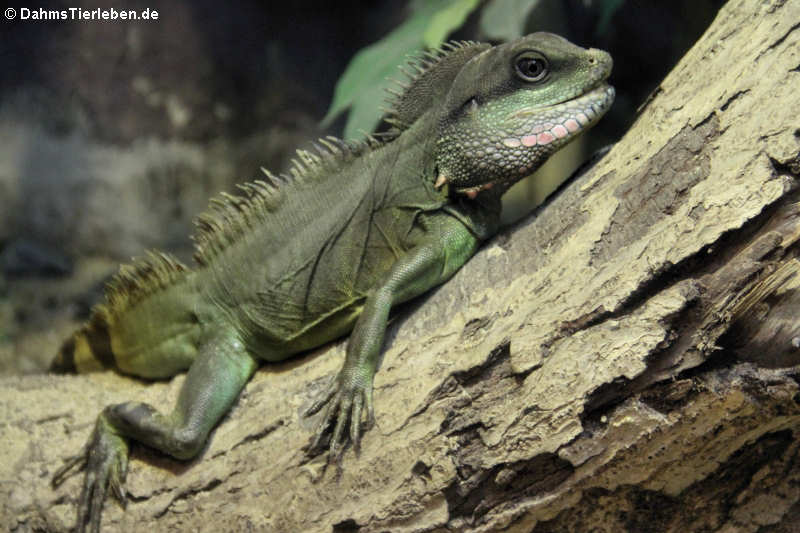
[{"x": 627, "y": 360}]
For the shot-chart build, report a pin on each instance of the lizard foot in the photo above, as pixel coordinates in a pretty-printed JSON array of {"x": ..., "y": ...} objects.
[
  {"x": 105, "y": 459},
  {"x": 346, "y": 400}
]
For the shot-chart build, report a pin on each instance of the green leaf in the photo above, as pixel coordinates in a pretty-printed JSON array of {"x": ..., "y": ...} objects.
[
  {"x": 361, "y": 86},
  {"x": 366, "y": 113},
  {"x": 448, "y": 19},
  {"x": 371, "y": 65},
  {"x": 504, "y": 20},
  {"x": 607, "y": 10}
]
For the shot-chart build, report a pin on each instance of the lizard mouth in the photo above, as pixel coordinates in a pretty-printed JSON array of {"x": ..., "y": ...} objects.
[
  {"x": 538, "y": 130},
  {"x": 593, "y": 101}
]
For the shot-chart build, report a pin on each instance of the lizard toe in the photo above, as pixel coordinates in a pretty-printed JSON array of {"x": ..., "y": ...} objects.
[{"x": 106, "y": 464}]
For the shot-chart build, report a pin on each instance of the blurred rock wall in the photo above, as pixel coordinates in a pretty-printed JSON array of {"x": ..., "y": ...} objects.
[{"x": 114, "y": 134}]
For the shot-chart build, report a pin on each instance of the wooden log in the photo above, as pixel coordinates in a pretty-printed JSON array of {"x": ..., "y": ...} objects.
[{"x": 626, "y": 360}]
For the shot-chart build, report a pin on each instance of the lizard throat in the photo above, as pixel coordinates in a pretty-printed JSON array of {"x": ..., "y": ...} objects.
[{"x": 526, "y": 140}]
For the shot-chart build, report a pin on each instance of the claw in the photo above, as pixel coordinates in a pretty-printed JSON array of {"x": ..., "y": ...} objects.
[
  {"x": 119, "y": 491},
  {"x": 63, "y": 473},
  {"x": 338, "y": 431},
  {"x": 370, "y": 410},
  {"x": 83, "y": 502},
  {"x": 440, "y": 181},
  {"x": 320, "y": 403},
  {"x": 321, "y": 427},
  {"x": 105, "y": 460},
  {"x": 345, "y": 402},
  {"x": 98, "y": 497},
  {"x": 355, "y": 423}
]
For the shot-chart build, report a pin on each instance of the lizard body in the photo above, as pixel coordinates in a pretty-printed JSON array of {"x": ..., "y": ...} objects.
[{"x": 301, "y": 259}]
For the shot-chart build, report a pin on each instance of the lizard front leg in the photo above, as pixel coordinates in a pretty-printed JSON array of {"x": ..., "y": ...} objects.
[
  {"x": 429, "y": 264},
  {"x": 212, "y": 384}
]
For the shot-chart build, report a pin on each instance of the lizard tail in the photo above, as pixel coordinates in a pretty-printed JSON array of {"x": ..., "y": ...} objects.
[
  {"x": 86, "y": 350},
  {"x": 150, "y": 291}
]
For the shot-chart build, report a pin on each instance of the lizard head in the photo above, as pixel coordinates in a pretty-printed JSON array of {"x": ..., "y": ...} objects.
[{"x": 511, "y": 106}]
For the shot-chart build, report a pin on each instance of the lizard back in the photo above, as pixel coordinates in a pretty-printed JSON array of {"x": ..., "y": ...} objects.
[{"x": 306, "y": 248}]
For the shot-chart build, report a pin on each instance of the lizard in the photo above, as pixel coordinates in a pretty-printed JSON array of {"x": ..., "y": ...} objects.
[{"x": 299, "y": 259}]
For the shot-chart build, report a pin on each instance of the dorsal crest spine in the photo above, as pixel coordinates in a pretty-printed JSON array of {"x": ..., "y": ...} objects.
[
  {"x": 427, "y": 75},
  {"x": 231, "y": 216},
  {"x": 133, "y": 282}
]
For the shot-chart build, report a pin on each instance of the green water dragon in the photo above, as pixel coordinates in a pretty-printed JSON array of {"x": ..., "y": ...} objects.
[{"x": 299, "y": 259}]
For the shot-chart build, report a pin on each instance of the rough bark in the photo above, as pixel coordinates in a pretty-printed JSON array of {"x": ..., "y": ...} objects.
[{"x": 623, "y": 361}]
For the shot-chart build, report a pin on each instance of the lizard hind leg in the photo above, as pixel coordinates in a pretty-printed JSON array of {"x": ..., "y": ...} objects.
[{"x": 213, "y": 383}]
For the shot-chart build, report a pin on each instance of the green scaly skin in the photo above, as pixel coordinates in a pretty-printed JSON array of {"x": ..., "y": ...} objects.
[{"x": 304, "y": 259}]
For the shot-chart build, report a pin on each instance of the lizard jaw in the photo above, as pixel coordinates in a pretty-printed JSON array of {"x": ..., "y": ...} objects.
[{"x": 509, "y": 154}]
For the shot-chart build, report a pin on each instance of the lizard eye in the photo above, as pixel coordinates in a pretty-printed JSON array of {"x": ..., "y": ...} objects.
[{"x": 531, "y": 67}]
